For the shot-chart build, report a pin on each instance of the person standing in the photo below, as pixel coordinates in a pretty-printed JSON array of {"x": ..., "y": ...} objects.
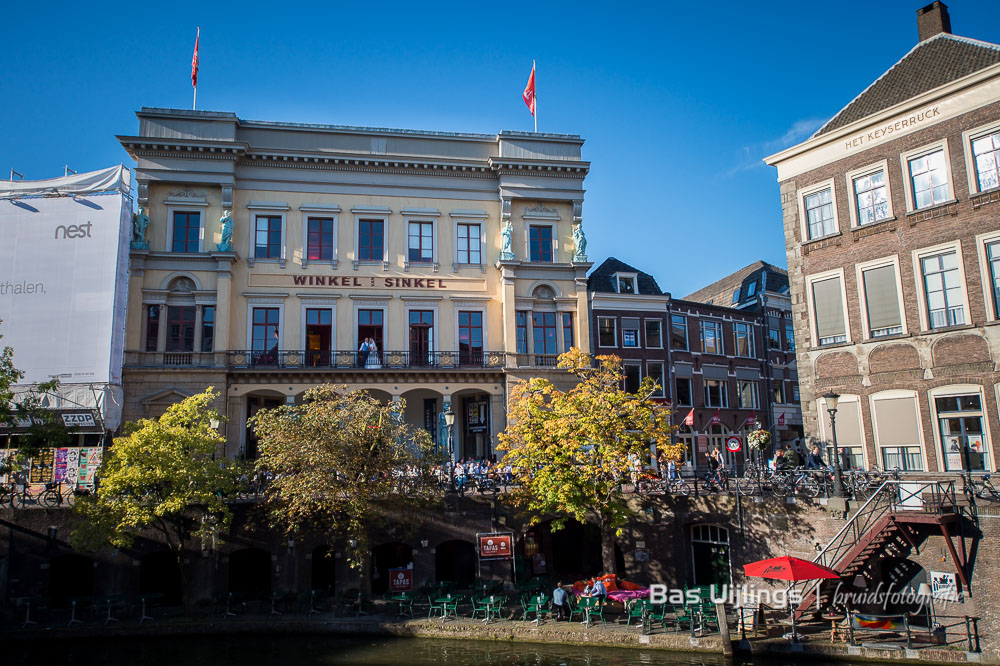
[
  {"x": 363, "y": 354},
  {"x": 599, "y": 591},
  {"x": 561, "y": 602}
]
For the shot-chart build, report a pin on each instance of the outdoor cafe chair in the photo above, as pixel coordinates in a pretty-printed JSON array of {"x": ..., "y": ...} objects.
[
  {"x": 683, "y": 616},
  {"x": 656, "y": 613},
  {"x": 450, "y": 604},
  {"x": 636, "y": 610},
  {"x": 573, "y": 603},
  {"x": 434, "y": 607},
  {"x": 592, "y": 607}
]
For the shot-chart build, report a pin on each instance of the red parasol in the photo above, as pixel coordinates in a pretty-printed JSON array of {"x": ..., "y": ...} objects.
[{"x": 788, "y": 568}]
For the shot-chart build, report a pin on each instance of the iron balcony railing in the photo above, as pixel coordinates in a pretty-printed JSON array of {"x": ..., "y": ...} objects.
[{"x": 307, "y": 359}]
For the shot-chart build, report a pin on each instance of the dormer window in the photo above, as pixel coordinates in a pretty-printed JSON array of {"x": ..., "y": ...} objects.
[
  {"x": 751, "y": 289},
  {"x": 736, "y": 296},
  {"x": 625, "y": 283}
]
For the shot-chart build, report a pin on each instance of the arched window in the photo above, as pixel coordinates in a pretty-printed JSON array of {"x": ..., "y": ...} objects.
[{"x": 710, "y": 555}]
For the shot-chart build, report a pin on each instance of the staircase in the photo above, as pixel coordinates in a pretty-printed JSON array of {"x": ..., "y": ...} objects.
[{"x": 886, "y": 524}]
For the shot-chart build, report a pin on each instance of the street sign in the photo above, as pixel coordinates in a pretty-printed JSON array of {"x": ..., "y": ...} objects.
[{"x": 734, "y": 444}]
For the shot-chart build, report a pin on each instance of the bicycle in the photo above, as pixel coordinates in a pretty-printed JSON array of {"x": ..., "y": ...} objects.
[
  {"x": 717, "y": 482},
  {"x": 983, "y": 489}
]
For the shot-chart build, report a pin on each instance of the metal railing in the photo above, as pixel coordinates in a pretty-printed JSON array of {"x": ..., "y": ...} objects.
[{"x": 346, "y": 359}]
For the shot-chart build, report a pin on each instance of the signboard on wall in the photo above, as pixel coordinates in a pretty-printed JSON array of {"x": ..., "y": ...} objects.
[
  {"x": 496, "y": 546},
  {"x": 63, "y": 277},
  {"x": 400, "y": 580}
]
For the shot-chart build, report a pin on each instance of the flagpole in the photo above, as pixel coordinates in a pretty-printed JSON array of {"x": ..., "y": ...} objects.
[
  {"x": 194, "y": 102},
  {"x": 535, "y": 115}
]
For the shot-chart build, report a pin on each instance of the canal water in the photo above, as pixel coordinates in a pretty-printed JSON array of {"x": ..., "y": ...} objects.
[{"x": 285, "y": 650}]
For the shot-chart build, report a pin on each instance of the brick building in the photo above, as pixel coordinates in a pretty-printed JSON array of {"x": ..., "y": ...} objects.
[
  {"x": 763, "y": 288},
  {"x": 708, "y": 358},
  {"x": 892, "y": 232}
]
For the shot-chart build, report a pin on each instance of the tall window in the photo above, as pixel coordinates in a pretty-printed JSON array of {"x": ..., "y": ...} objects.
[
  {"x": 819, "y": 213},
  {"x": 568, "y": 338},
  {"x": 180, "y": 328},
  {"x": 963, "y": 438},
  {"x": 736, "y": 296},
  {"x": 882, "y": 301},
  {"x": 543, "y": 325},
  {"x": 187, "y": 232},
  {"x": 747, "y": 391},
  {"x": 152, "y": 327},
  {"x": 540, "y": 243},
  {"x": 654, "y": 369},
  {"x": 987, "y": 154},
  {"x": 929, "y": 178},
  {"x": 711, "y": 337},
  {"x": 521, "y": 324},
  {"x": 684, "y": 393},
  {"x": 773, "y": 338},
  {"x": 469, "y": 250},
  {"x": 320, "y": 239},
  {"x": 264, "y": 334},
  {"x": 870, "y": 199},
  {"x": 654, "y": 337},
  {"x": 319, "y": 336},
  {"x": 422, "y": 336},
  {"x": 421, "y": 242},
  {"x": 630, "y": 332},
  {"x": 743, "y": 335},
  {"x": 716, "y": 394},
  {"x": 943, "y": 290},
  {"x": 267, "y": 237},
  {"x": 789, "y": 337},
  {"x": 371, "y": 240},
  {"x": 208, "y": 328},
  {"x": 606, "y": 333},
  {"x": 778, "y": 392},
  {"x": 993, "y": 256},
  {"x": 626, "y": 284},
  {"x": 828, "y": 306},
  {"x": 678, "y": 332},
  {"x": 470, "y": 336},
  {"x": 633, "y": 376}
]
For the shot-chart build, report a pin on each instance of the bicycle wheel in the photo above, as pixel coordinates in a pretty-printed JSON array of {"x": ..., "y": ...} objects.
[
  {"x": 680, "y": 487},
  {"x": 18, "y": 500},
  {"x": 745, "y": 486},
  {"x": 808, "y": 487},
  {"x": 49, "y": 498}
]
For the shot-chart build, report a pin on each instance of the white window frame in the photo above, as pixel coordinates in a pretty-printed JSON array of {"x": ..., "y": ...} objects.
[
  {"x": 957, "y": 390},
  {"x": 889, "y": 395},
  {"x": 813, "y": 330},
  {"x": 661, "y": 379},
  {"x": 721, "y": 337},
  {"x": 804, "y": 222},
  {"x": 478, "y": 308},
  {"x": 266, "y": 302},
  {"x": 828, "y": 437},
  {"x": 475, "y": 217},
  {"x": 851, "y": 176},
  {"x": 320, "y": 211},
  {"x": 433, "y": 306},
  {"x": 751, "y": 346},
  {"x": 200, "y": 208},
  {"x": 982, "y": 240},
  {"x": 724, "y": 395},
  {"x": 756, "y": 393},
  {"x": 904, "y": 163},
  {"x": 645, "y": 336},
  {"x": 918, "y": 276},
  {"x": 382, "y": 213},
  {"x": 968, "y": 137},
  {"x": 421, "y": 216},
  {"x": 598, "y": 331},
  {"x": 638, "y": 334},
  {"x": 529, "y": 222},
  {"x": 630, "y": 277},
  {"x": 318, "y": 304},
  {"x": 384, "y": 307},
  {"x": 280, "y": 259},
  {"x": 892, "y": 260},
  {"x": 632, "y": 364}
]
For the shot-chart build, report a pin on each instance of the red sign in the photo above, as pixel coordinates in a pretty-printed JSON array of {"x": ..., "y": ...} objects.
[
  {"x": 400, "y": 580},
  {"x": 734, "y": 444},
  {"x": 781, "y": 419},
  {"x": 495, "y": 546}
]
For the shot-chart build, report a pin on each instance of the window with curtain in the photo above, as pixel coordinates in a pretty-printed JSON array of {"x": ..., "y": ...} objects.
[
  {"x": 882, "y": 301},
  {"x": 828, "y": 311}
]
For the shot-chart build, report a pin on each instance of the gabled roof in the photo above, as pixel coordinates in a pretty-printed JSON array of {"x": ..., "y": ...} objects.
[
  {"x": 721, "y": 291},
  {"x": 601, "y": 278},
  {"x": 930, "y": 64}
]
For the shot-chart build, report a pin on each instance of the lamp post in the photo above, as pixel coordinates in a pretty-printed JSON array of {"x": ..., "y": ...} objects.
[
  {"x": 449, "y": 421},
  {"x": 831, "y": 407}
]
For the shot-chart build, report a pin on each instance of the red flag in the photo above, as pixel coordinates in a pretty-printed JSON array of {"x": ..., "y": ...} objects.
[
  {"x": 751, "y": 420},
  {"x": 689, "y": 419},
  {"x": 194, "y": 61},
  {"x": 529, "y": 91},
  {"x": 715, "y": 418},
  {"x": 781, "y": 419}
]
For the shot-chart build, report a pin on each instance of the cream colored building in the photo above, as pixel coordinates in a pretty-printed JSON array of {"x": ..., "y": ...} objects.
[{"x": 340, "y": 234}]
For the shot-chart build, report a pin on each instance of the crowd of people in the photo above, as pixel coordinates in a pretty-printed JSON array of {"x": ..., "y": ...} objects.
[{"x": 476, "y": 470}]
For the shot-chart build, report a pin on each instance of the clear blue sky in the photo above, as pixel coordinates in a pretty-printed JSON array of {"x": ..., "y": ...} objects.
[{"x": 678, "y": 102}]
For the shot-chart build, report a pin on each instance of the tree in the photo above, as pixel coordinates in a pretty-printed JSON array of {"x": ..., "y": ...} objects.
[
  {"x": 341, "y": 462},
  {"x": 571, "y": 450},
  {"x": 161, "y": 475},
  {"x": 44, "y": 427}
]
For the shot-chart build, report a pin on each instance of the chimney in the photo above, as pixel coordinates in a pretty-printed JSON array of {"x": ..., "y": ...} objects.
[{"x": 933, "y": 20}]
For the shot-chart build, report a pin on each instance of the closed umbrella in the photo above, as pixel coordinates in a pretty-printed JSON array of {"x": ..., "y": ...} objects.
[{"x": 791, "y": 569}]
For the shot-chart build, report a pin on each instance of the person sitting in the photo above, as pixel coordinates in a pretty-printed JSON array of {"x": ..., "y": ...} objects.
[
  {"x": 599, "y": 591},
  {"x": 815, "y": 460}
]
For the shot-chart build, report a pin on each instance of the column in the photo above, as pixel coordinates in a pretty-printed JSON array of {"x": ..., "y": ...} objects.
[
  {"x": 224, "y": 286},
  {"x": 498, "y": 420},
  {"x": 199, "y": 311},
  {"x": 161, "y": 333},
  {"x": 583, "y": 314},
  {"x": 509, "y": 315},
  {"x": 445, "y": 406}
]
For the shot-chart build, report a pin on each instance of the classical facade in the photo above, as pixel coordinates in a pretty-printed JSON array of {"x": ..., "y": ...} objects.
[
  {"x": 427, "y": 266},
  {"x": 763, "y": 288},
  {"x": 893, "y": 244},
  {"x": 707, "y": 359}
]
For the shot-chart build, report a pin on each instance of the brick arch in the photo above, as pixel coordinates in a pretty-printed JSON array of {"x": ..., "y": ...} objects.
[
  {"x": 836, "y": 364},
  {"x": 888, "y": 358},
  {"x": 959, "y": 349}
]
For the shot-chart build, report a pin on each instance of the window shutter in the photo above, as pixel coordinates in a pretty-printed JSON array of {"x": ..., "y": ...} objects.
[
  {"x": 881, "y": 297},
  {"x": 630, "y": 323},
  {"x": 829, "y": 308}
]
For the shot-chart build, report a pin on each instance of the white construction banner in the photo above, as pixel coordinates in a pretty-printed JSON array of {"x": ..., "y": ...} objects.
[{"x": 63, "y": 283}]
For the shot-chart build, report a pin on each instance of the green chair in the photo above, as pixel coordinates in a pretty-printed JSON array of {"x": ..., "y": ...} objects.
[
  {"x": 683, "y": 616},
  {"x": 636, "y": 610},
  {"x": 405, "y": 600},
  {"x": 479, "y": 605},
  {"x": 451, "y": 606},
  {"x": 656, "y": 613},
  {"x": 434, "y": 607},
  {"x": 574, "y": 606}
]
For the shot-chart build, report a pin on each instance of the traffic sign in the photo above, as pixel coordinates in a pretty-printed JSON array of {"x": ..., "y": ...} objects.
[{"x": 734, "y": 444}]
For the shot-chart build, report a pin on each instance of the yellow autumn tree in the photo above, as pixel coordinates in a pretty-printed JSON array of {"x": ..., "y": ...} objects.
[{"x": 570, "y": 450}]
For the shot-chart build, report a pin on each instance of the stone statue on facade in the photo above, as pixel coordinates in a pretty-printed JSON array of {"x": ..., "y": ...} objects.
[
  {"x": 507, "y": 236},
  {"x": 579, "y": 243},
  {"x": 227, "y": 232},
  {"x": 140, "y": 222}
]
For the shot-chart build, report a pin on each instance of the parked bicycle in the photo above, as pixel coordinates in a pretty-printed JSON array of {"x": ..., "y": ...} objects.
[{"x": 981, "y": 489}]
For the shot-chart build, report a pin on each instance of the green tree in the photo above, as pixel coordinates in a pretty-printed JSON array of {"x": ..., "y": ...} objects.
[
  {"x": 24, "y": 406},
  {"x": 342, "y": 462},
  {"x": 571, "y": 450},
  {"x": 162, "y": 475}
]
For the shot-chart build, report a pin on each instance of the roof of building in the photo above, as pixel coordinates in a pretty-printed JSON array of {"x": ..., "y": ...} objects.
[
  {"x": 601, "y": 278},
  {"x": 721, "y": 291},
  {"x": 930, "y": 64}
]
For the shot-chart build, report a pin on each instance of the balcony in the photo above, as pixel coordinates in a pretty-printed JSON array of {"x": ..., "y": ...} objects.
[{"x": 355, "y": 360}]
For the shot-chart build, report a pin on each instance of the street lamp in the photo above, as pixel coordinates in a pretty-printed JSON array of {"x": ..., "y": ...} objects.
[
  {"x": 831, "y": 407},
  {"x": 449, "y": 421}
]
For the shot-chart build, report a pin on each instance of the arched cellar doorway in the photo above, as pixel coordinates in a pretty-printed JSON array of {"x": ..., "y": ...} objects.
[{"x": 455, "y": 561}]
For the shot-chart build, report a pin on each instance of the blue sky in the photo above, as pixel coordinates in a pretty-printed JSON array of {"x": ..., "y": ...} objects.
[{"x": 678, "y": 102}]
